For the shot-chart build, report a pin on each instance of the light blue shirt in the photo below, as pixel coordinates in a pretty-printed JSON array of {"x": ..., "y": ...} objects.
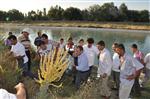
[{"x": 82, "y": 63}]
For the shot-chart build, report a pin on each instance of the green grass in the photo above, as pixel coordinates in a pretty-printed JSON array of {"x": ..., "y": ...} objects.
[{"x": 89, "y": 91}]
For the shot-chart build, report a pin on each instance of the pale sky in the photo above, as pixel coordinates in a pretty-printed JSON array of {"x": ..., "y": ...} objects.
[{"x": 28, "y": 5}]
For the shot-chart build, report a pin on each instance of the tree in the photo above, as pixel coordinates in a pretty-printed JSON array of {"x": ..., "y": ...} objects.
[
  {"x": 32, "y": 15},
  {"x": 55, "y": 13},
  {"x": 72, "y": 14},
  {"x": 86, "y": 15},
  {"x": 109, "y": 12},
  {"x": 15, "y": 15},
  {"x": 95, "y": 12},
  {"x": 144, "y": 16},
  {"x": 123, "y": 10},
  {"x": 3, "y": 15}
]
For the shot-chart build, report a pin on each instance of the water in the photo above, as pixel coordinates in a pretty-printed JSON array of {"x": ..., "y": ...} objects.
[{"x": 127, "y": 37}]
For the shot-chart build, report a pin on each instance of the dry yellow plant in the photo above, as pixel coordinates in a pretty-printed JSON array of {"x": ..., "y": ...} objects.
[{"x": 52, "y": 67}]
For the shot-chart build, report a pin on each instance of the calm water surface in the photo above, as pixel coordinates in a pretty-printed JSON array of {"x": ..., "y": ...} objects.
[{"x": 127, "y": 37}]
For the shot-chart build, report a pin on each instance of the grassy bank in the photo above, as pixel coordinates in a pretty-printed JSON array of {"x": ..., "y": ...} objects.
[
  {"x": 10, "y": 76},
  {"x": 88, "y": 24}
]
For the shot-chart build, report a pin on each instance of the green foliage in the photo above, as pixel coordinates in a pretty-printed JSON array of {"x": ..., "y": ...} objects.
[
  {"x": 105, "y": 12},
  {"x": 72, "y": 14},
  {"x": 15, "y": 15},
  {"x": 55, "y": 13}
]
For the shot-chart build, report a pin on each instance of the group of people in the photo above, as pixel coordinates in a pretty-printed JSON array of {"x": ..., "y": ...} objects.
[{"x": 124, "y": 68}]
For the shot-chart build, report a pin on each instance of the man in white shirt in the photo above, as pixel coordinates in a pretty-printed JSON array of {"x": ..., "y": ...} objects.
[
  {"x": 130, "y": 68},
  {"x": 116, "y": 65},
  {"x": 43, "y": 50},
  {"x": 18, "y": 51},
  {"x": 147, "y": 66},
  {"x": 140, "y": 57},
  {"x": 104, "y": 69},
  {"x": 62, "y": 44},
  {"x": 91, "y": 52},
  {"x": 21, "y": 93},
  {"x": 24, "y": 39}
]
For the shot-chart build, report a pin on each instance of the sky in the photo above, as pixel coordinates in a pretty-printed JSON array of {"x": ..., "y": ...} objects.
[{"x": 28, "y": 5}]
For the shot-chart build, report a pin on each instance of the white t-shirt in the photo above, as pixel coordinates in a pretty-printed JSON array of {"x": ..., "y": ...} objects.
[
  {"x": 6, "y": 95},
  {"x": 129, "y": 66},
  {"x": 19, "y": 50},
  {"x": 91, "y": 53},
  {"x": 62, "y": 46},
  {"x": 147, "y": 60},
  {"x": 116, "y": 62},
  {"x": 105, "y": 62},
  {"x": 43, "y": 52}
]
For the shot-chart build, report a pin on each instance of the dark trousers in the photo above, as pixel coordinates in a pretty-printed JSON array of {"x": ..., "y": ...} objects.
[
  {"x": 80, "y": 78},
  {"x": 29, "y": 59},
  {"x": 90, "y": 71},
  {"x": 116, "y": 78},
  {"x": 24, "y": 67},
  {"x": 136, "y": 87}
]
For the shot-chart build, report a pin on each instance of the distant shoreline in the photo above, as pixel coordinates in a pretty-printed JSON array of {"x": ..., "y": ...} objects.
[{"x": 83, "y": 24}]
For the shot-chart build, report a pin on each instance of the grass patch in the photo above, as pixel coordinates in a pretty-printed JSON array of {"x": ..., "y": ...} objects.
[
  {"x": 88, "y": 24},
  {"x": 11, "y": 76}
]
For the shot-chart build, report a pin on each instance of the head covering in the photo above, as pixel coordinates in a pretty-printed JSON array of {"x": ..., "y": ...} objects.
[
  {"x": 26, "y": 30},
  {"x": 6, "y": 95}
]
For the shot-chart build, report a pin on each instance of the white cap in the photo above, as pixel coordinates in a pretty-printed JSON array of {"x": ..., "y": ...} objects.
[{"x": 26, "y": 30}]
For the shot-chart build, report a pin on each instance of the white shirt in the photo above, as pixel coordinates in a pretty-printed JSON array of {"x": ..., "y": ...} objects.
[
  {"x": 105, "y": 62},
  {"x": 43, "y": 52},
  {"x": 91, "y": 53},
  {"x": 6, "y": 95},
  {"x": 62, "y": 46},
  {"x": 147, "y": 60},
  {"x": 116, "y": 62},
  {"x": 129, "y": 66},
  {"x": 19, "y": 50},
  {"x": 49, "y": 47}
]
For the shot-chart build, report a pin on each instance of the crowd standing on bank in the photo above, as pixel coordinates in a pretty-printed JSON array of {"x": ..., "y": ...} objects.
[{"x": 123, "y": 68}]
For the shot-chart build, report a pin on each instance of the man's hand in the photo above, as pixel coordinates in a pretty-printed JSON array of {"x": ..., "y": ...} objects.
[
  {"x": 18, "y": 57},
  {"x": 74, "y": 67},
  {"x": 104, "y": 75},
  {"x": 131, "y": 77}
]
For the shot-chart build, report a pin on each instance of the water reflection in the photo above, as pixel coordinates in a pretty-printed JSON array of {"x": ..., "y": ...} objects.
[{"x": 127, "y": 37}]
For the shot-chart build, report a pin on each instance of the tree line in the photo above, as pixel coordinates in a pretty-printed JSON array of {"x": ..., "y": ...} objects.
[{"x": 105, "y": 12}]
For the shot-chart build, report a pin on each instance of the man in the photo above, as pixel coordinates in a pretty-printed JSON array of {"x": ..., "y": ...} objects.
[
  {"x": 91, "y": 52},
  {"x": 42, "y": 50},
  {"x": 38, "y": 40},
  {"x": 130, "y": 68},
  {"x": 21, "y": 93},
  {"x": 61, "y": 44},
  {"x": 18, "y": 51},
  {"x": 104, "y": 69},
  {"x": 70, "y": 46},
  {"x": 115, "y": 68},
  {"x": 7, "y": 41},
  {"x": 81, "y": 42},
  {"x": 137, "y": 54},
  {"x": 140, "y": 57},
  {"x": 82, "y": 67},
  {"x": 24, "y": 39},
  {"x": 49, "y": 43},
  {"x": 147, "y": 67}
]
